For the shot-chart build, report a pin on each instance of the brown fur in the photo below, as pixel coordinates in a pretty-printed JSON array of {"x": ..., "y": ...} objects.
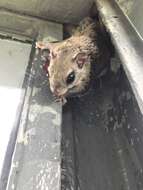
[{"x": 62, "y": 59}]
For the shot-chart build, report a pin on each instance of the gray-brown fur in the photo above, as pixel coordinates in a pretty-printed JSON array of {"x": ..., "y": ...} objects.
[{"x": 66, "y": 56}]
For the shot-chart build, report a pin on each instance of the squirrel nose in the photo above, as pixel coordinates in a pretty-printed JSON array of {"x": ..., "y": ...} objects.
[{"x": 55, "y": 90}]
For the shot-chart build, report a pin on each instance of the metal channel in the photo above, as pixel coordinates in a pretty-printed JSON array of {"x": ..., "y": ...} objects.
[
  {"x": 127, "y": 43},
  {"x": 33, "y": 157}
]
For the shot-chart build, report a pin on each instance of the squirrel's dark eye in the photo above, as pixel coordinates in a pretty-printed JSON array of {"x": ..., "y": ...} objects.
[{"x": 70, "y": 78}]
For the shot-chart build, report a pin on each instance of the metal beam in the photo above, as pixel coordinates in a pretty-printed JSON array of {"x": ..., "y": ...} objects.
[{"x": 127, "y": 42}]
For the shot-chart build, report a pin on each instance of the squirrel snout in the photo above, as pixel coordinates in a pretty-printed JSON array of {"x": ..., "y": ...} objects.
[{"x": 57, "y": 91}]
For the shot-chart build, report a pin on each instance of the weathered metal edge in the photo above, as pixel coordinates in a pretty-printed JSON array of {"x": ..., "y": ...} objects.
[
  {"x": 127, "y": 43},
  {"x": 22, "y": 124},
  {"x": 13, "y": 136},
  {"x": 25, "y": 27}
]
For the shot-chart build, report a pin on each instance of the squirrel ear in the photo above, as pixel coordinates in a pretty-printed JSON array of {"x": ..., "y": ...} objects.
[
  {"x": 46, "y": 50},
  {"x": 53, "y": 54},
  {"x": 45, "y": 56},
  {"x": 43, "y": 45},
  {"x": 81, "y": 59}
]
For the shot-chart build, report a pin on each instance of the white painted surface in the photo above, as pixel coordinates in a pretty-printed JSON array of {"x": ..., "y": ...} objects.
[{"x": 14, "y": 58}]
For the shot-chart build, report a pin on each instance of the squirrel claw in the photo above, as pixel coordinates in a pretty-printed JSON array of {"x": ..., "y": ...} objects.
[{"x": 63, "y": 101}]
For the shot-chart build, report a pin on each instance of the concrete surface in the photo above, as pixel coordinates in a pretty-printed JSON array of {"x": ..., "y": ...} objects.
[{"x": 61, "y": 11}]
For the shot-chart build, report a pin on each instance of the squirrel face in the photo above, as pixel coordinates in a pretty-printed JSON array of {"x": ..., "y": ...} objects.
[
  {"x": 68, "y": 72},
  {"x": 69, "y": 61}
]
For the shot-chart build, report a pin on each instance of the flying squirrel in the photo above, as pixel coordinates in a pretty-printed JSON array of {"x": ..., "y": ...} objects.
[{"x": 69, "y": 62}]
